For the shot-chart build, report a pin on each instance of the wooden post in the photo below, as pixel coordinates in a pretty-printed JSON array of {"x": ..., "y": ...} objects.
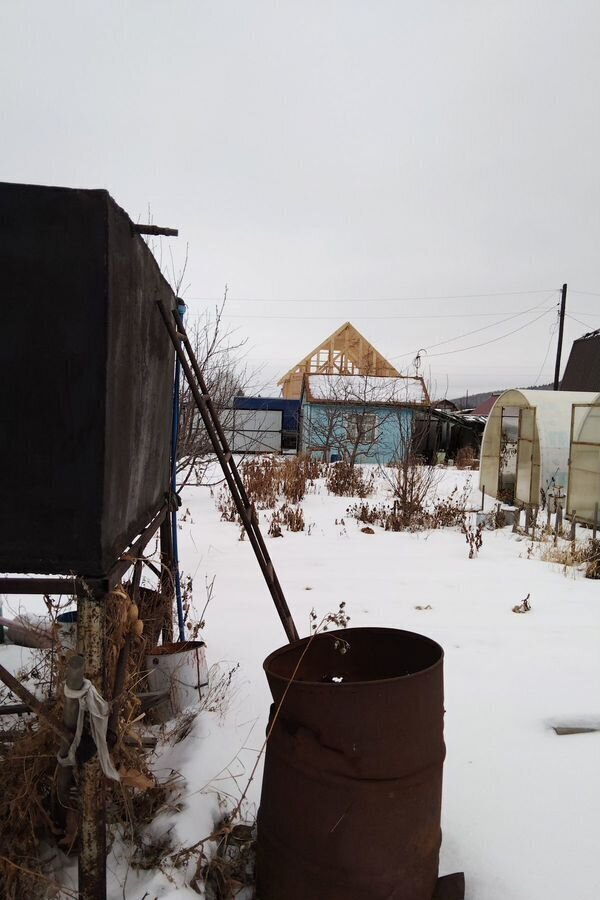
[
  {"x": 527, "y": 518},
  {"x": 64, "y": 777},
  {"x": 559, "y": 521},
  {"x": 595, "y": 531},
  {"x": 574, "y": 525},
  {"x": 91, "y": 625},
  {"x": 534, "y": 519},
  {"x": 516, "y": 520}
]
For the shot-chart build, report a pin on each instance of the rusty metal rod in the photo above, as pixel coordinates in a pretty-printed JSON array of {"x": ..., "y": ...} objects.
[
  {"x": 245, "y": 508},
  {"x": 133, "y": 552}
]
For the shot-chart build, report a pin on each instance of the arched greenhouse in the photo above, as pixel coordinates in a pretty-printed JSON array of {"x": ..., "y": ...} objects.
[{"x": 526, "y": 444}]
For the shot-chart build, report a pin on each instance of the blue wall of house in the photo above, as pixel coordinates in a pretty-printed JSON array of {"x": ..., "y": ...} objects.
[{"x": 393, "y": 426}]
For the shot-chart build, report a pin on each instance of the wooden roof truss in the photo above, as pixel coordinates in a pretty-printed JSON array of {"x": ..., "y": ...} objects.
[{"x": 345, "y": 352}]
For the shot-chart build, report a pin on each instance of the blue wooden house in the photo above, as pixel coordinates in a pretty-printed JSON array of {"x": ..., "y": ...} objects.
[{"x": 360, "y": 418}]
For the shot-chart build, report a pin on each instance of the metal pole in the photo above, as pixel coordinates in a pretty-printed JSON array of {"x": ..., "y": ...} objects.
[
  {"x": 167, "y": 579},
  {"x": 245, "y": 508},
  {"x": 175, "y": 434},
  {"x": 91, "y": 624},
  {"x": 561, "y": 326}
]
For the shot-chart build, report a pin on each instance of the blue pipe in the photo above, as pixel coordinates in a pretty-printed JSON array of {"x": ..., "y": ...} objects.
[{"x": 181, "y": 308}]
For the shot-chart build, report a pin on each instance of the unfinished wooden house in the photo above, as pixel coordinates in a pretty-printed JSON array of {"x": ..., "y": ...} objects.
[
  {"x": 345, "y": 352},
  {"x": 354, "y": 404}
]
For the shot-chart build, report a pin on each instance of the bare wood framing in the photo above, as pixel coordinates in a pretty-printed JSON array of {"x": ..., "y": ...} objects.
[{"x": 345, "y": 352}]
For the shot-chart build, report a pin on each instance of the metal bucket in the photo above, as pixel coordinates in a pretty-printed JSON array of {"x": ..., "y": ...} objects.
[
  {"x": 351, "y": 797},
  {"x": 67, "y": 629},
  {"x": 181, "y": 672}
]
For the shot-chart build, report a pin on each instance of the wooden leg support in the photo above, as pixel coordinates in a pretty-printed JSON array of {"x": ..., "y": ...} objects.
[{"x": 91, "y": 610}]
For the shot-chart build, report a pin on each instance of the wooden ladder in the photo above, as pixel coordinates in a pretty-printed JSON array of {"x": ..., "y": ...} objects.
[{"x": 210, "y": 417}]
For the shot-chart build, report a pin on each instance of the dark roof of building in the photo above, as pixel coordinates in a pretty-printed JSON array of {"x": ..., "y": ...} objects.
[
  {"x": 472, "y": 423},
  {"x": 485, "y": 408},
  {"x": 582, "y": 372},
  {"x": 445, "y": 404}
]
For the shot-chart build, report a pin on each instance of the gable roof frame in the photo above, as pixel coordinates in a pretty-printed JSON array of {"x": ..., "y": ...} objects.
[{"x": 346, "y": 352}]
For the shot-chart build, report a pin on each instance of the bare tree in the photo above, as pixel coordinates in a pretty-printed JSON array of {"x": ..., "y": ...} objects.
[
  {"x": 412, "y": 479},
  {"x": 219, "y": 356}
]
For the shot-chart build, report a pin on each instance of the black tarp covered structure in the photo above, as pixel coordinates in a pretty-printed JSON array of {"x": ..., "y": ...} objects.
[{"x": 86, "y": 376}]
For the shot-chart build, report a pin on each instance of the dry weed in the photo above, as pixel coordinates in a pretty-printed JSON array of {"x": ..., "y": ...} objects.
[
  {"x": 465, "y": 458},
  {"x": 568, "y": 554},
  {"x": 346, "y": 480},
  {"x": 445, "y": 513}
]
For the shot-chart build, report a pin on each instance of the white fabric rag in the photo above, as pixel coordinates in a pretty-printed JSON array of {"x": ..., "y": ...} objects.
[{"x": 90, "y": 701}]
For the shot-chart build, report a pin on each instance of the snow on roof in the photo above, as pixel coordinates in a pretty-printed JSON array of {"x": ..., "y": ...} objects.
[{"x": 366, "y": 389}]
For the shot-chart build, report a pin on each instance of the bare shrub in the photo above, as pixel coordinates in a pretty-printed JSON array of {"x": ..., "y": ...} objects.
[
  {"x": 446, "y": 513},
  {"x": 289, "y": 516},
  {"x": 262, "y": 481},
  {"x": 473, "y": 537},
  {"x": 450, "y": 511},
  {"x": 292, "y": 517},
  {"x": 465, "y": 458},
  {"x": 592, "y": 569},
  {"x": 226, "y": 506},
  {"x": 569, "y": 554},
  {"x": 219, "y": 358},
  {"x": 275, "y": 525},
  {"x": 297, "y": 473},
  {"x": 411, "y": 482},
  {"x": 347, "y": 480}
]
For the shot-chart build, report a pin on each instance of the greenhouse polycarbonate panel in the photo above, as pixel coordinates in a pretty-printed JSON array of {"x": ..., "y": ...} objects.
[
  {"x": 584, "y": 463},
  {"x": 525, "y": 447}
]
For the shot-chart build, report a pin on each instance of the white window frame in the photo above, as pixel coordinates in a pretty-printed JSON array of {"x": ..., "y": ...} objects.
[{"x": 363, "y": 427}]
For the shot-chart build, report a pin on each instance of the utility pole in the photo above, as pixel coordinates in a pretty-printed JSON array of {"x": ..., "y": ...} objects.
[{"x": 561, "y": 326}]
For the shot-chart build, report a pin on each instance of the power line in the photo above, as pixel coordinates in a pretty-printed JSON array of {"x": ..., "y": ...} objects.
[
  {"x": 552, "y": 333},
  {"x": 364, "y": 318},
  {"x": 579, "y": 322},
  {"x": 310, "y": 318},
  {"x": 468, "y": 333},
  {"x": 493, "y": 340},
  {"x": 408, "y": 299}
]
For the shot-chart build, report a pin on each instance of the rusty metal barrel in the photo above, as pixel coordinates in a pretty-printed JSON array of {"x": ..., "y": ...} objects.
[{"x": 351, "y": 796}]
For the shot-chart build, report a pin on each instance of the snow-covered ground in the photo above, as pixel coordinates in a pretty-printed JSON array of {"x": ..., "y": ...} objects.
[{"x": 521, "y": 805}]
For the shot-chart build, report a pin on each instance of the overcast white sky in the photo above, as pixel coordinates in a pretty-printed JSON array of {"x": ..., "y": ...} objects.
[{"x": 331, "y": 152}]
